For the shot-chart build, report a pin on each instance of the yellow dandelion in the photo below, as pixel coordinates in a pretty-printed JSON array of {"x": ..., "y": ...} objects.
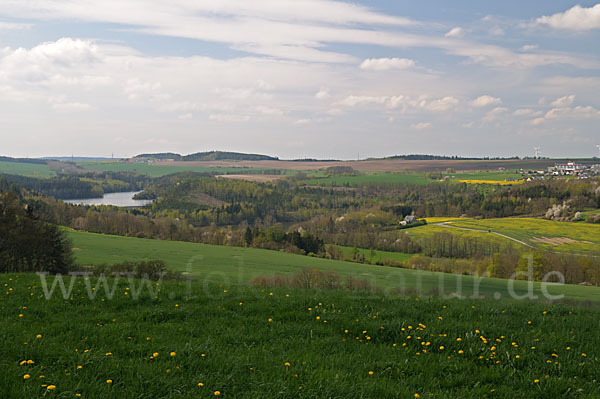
[
  {"x": 109, "y": 381},
  {"x": 200, "y": 384},
  {"x": 458, "y": 339},
  {"x": 536, "y": 381},
  {"x": 51, "y": 387},
  {"x": 441, "y": 348},
  {"x": 155, "y": 354},
  {"x": 79, "y": 367},
  {"x": 217, "y": 393},
  {"x": 460, "y": 352},
  {"x": 370, "y": 373},
  {"x": 108, "y": 353},
  {"x": 30, "y": 362},
  {"x": 26, "y": 377},
  {"x": 38, "y": 336},
  {"x": 287, "y": 364},
  {"x": 173, "y": 354}
]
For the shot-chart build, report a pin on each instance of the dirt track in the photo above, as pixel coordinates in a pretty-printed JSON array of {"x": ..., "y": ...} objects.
[{"x": 396, "y": 165}]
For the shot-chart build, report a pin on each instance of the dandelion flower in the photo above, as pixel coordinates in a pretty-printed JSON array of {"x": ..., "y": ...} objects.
[
  {"x": 51, "y": 387},
  {"x": 155, "y": 354},
  {"x": 370, "y": 373},
  {"x": 287, "y": 364},
  {"x": 217, "y": 393},
  {"x": 38, "y": 336},
  {"x": 173, "y": 354},
  {"x": 26, "y": 377},
  {"x": 536, "y": 381},
  {"x": 200, "y": 384}
]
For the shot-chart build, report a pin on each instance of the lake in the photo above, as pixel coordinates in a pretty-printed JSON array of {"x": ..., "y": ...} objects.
[{"x": 115, "y": 199}]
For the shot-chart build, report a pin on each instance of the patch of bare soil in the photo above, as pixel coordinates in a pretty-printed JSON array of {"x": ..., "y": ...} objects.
[{"x": 204, "y": 199}]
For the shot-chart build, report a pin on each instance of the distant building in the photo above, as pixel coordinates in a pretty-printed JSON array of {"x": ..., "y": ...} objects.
[
  {"x": 569, "y": 168},
  {"x": 410, "y": 219}
]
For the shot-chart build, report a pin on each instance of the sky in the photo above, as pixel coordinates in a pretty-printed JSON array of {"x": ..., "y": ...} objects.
[{"x": 300, "y": 78}]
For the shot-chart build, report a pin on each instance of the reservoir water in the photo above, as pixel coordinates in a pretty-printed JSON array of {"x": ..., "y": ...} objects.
[{"x": 115, "y": 199}]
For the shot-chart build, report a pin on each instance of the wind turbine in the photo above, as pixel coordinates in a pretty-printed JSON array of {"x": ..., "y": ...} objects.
[{"x": 537, "y": 151}]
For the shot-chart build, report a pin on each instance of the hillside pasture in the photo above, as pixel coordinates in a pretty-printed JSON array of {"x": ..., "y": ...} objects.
[
  {"x": 238, "y": 266},
  {"x": 26, "y": 169}
]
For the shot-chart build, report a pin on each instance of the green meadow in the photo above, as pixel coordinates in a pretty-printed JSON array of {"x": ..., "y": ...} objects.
[
  {"x": 26, "y": 169},
  {"x": 162, "y": 170},
  {"x": 238, "y": 266},
  {"x": 205, "y": 340}
]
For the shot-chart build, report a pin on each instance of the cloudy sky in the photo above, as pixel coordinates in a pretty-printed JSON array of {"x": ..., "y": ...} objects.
[{"x": 299, "y": 78}]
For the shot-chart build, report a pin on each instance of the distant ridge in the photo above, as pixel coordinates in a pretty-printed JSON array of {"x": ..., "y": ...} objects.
[
  {"x": 23, "y": 160},
  {"x": 209, "y": 156},
  {"x": 424, "y": 157}
]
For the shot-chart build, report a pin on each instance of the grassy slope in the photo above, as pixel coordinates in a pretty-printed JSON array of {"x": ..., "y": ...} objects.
[
  {"x": 526, "y": 230},
  {"x": 240, "y": 265},
  {"x": 26, "y": 169},
  {"x": 160, "y": 170},
  {"x": 246, "y": 342}
]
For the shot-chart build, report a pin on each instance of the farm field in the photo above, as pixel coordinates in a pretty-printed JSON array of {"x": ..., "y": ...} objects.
[
  {"x": 25, "y": 169},
  {"x": 392, "y": 165},
  {"x": 372, "y": 177},
  {"x": 558, "y": 236},
  {"x": 208, "y": 340},
  {"x": 431, "y": 229},
  {"x": 486, "y": 175},
  {"x": 158, "y": 170},
  {"x": 237, "y": 266}
]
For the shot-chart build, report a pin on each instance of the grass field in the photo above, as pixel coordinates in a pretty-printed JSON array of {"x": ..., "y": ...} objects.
[
  {"x": 583, "y": 237},
  {"x": 26, "y": 169},
  {"x": 490, "y": 175},
  {"x": 371, "y": 177},
  {"x": 377, "y": 254},
  {"x": 204, "y": 340},
  {"x": 162, "y": 170},
  {"x": 237, "y": 266},
  {"x": 431, "y": 229}
]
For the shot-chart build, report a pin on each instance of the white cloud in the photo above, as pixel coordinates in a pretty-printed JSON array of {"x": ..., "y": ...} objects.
[
  {"x": 352, "y": 101},
  {"x": 421, "y": 125},
  {"x": 322, "y": 94},
  {"x": 563, "y": 101},
  {"x": 440, "y": 104},
  {"x": 537, "y": 121},
  {"x": 485, "y": 100},
  {"x": 384, "y": 64},
  {"x": 578, "y": 112},
  {"x": 495, "y": 114},
  {"x": 523, "y": 112},
  {"x": 285, "y": 29},
  {"x": 529, "y": 47},
  {"x": 577, "y": 18},
  {"x": 455, "y": 32}
]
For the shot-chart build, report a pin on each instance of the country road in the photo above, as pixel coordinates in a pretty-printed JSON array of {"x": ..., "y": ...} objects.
[{"x": 447, "y": 224}]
